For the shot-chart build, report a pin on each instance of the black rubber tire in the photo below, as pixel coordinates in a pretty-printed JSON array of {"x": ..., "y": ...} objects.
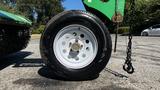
[
  {"x": 95, "y": 25},
  {"x": 10, "y": 42}
]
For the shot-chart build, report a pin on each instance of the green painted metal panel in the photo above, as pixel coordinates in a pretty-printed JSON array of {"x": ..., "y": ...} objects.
[
  {"x": 16, "y": 18},
  {"x": 107, "y": 8}
]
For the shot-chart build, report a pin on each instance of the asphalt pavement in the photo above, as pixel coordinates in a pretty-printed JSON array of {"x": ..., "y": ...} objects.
[{"x": 25, "y": 70}]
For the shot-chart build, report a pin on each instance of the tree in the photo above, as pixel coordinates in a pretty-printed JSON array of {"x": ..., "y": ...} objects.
[
  {"x": 44, "y": 8},
  {"x": 4, "y": 5},
  {"x": 147, "y": 13}
]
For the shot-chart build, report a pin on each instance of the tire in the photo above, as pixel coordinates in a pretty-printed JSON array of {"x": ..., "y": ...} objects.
[
  {"x": 144, "y": 34},
  {"x": 11, "y": 42},
  {"x": 91, "y": 26}
]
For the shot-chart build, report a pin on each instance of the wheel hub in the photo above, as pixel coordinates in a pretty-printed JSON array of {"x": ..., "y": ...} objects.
[{"x": 75, "y": 46}]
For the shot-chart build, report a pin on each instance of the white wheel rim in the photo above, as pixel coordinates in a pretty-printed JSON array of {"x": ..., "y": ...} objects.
[{"x": 75, "y": 46}]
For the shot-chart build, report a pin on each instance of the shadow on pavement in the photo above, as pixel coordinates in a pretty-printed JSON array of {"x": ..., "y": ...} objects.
[
  {"x": 115, "y": 73},
  {"x": 50, "y": 74},
  {"x": 29, "y": 63},
  {"x": 18, "y": 60}
]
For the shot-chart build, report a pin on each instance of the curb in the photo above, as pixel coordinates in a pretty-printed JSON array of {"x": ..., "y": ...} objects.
[{"x": 35, "y": 36}]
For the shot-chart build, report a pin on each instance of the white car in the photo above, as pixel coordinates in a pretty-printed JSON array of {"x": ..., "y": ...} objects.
[{"x": 152, "y": 31}]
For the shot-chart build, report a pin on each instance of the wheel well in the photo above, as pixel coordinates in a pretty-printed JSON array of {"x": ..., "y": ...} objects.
[
  {"x": 145, "y": 33},
  {"x": 109, "y": 24}
]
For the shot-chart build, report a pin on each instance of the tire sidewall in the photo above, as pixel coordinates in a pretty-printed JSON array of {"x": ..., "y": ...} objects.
[{"x": 89, "y": 21}]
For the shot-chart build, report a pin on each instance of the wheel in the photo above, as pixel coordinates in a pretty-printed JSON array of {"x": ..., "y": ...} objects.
[
  {"x": 144, "y": 34},
  {"x": 13, "y": 40},
  {"x": 76, "y": 45}
]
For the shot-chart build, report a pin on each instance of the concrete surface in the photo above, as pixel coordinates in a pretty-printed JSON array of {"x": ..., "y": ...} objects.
[{"x": 24, "y": 70}]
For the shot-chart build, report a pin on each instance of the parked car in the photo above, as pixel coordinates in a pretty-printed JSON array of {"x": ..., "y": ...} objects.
[{"x": 152, "y": 31}]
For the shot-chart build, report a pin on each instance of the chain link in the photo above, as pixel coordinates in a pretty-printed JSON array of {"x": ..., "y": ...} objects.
[{"x": 128, "y": 67}]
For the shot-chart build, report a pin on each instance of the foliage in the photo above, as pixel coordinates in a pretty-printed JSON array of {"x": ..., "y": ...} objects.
[
  {"x": 147, "y": 13},
  {"x": 123, "y": 30},
  {"x": 38, "y": 30},
  {"x": 9, "y": 9},
  {"x": 45, "y": 8}
]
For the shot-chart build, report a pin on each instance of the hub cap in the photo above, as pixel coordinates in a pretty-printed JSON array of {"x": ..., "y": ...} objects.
[{"x": 75, "y": 46}]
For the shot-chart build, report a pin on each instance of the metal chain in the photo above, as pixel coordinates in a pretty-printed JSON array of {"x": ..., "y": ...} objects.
[{"x": 128, "y": 67}]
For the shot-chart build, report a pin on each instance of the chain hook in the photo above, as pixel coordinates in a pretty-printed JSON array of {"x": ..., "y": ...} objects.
[{"x": 128, "y": 67}]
